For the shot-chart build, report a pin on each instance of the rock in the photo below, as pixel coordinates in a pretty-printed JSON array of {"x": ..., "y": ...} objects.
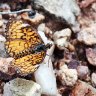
[
  {"x": 68, "y": 77},
  {"x": 41, "y": 27},
  {"x": 6, "y": 71},
  {"x": 2, "y": 41},
  {"x": 88, "y": 35},
  {"x": 3, "y": 53},
  {"x": 68, "y": 10},
  {"x": 4, "y": 64},
  {"x": 1, "y": 87},
  {"x": 63, "y": 33},
  {"x": 61, "y": 43},
  {"x": 2, "y": 38},
  {"x": 76, "y": 27},
  {"x": 83, "y": 89},
  {"x": 94, "y": 6},
  {"x": 5, "y": 8},
  {"x": 46, "y": 31},
  {"x": 22, "y": 87},
  {"x": 83, "y": 72},
  {"x": 0, "y": 17},
  {"x": 45, "y": 75},
  {"x": 71, "y": 47},
  {"x": 86, "y": 3},
  {"x": 93, "y": 79},
  {"x": 73, "y": 64},
  {"x": 2, "y": 46},
  {"x": 1, "y": 23},
  {"x": 46, "y": 78},
  {"x": 44, "y": 38},
  {"x": 91, "y": 56},
  {"x": 34, "y": 21},
  {"x": 61, "y": 38}
]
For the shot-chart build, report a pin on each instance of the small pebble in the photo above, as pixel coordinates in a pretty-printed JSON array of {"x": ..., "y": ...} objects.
[
  {"x": 68, "y": 77},
  {"x": 22, "y": 87},
  {"x": 94, "y": 6},
  {"x": 83, "y": 89},
  {"x": 2, "y": 38},
  {"x": 83, "y": 72},
  {"x": 73, "y": 64},
  {"x": 4, "y": 64},
  {"x": 93, "y": 79},
  {"x": 2, "y": 46},
  {"x": 1, "y": 23},
  {"x": 61, "y": 38},
  {"x": 91, "y": 56},
  {"x": 88, "y": 35},
  {"x": 41, "y": 27}
]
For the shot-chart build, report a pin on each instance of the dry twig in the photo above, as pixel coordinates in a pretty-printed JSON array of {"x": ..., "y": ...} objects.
[{"x": 16, "y": 12}]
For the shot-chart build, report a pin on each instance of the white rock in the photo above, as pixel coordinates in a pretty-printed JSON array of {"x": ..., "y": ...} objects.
[
  {"x": 2, "y": 46},
  {"x": 46, "y": 78},
  {"x": 45, "y": 75},
  {"x": 63, "y": 33},
  {"x": 67, "y": 76},
  {"x": 44, "y": 38},
  {"x": 61, "y": 43},
  {"x": 63, "y": 67},
  {"x": 22, "y": 87},
  {"x": 0, "y": 17},
  {"x": 76, "y": 27},
  {"x": 61, "y": 38},
  {"x": 88, "y": 35},
  {"x": 94, "y": 6},
  {"x": 41, "y": 27},
  {"x": 2, "y": 41},
  {"x": 3, "y": 52},
  {"x": 4, "y": 64},
  {"x": 64, "y": 8},
  {"x": 2, "y": 38},
  {"x": 93, "y": 79},
  {"x": 5, "y": 6}
]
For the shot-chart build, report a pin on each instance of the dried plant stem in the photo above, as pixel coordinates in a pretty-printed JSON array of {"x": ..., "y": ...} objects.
[{"x": 16, "y": 12}]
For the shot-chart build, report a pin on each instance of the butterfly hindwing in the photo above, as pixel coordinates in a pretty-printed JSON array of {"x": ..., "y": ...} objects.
[{"x": 29, "y": 63}]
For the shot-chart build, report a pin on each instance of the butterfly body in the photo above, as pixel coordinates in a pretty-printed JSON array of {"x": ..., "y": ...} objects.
[{"x": 25, "y": 45}]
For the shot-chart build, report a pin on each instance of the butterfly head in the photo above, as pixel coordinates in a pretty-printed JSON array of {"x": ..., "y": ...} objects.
[{"x": 42, "y": 47}]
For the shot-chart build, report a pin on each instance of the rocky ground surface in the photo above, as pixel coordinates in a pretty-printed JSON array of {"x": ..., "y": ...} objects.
[{"x": 69, "y": 68}]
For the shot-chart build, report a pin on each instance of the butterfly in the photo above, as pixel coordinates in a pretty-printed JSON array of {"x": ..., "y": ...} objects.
[{"x": 25, "y": 45}]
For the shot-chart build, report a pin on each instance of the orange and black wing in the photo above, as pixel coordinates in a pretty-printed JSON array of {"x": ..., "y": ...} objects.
[
  {"x": 21, "y": 37},
  {"x": 29, "y": 63}
]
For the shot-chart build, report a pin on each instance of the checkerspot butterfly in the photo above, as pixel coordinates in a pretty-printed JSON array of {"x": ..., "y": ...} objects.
[{"x": 25, "y": 45}]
